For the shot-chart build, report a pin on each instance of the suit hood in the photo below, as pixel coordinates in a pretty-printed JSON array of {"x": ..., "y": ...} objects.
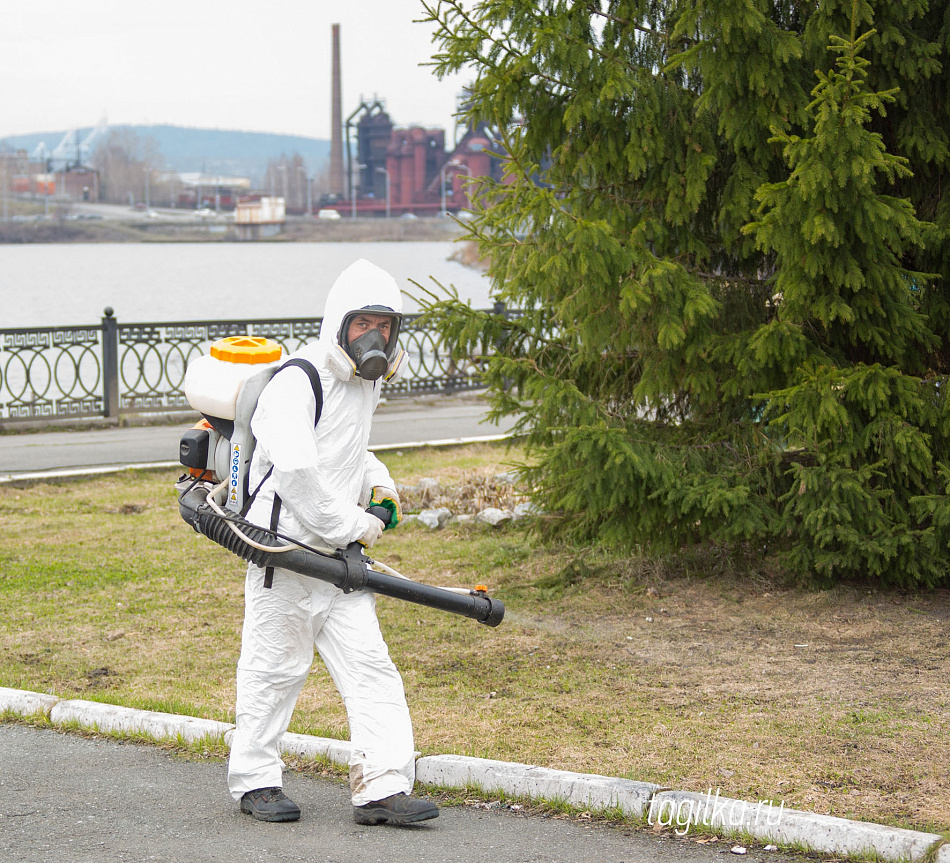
[{"x": 361, "y": 285}]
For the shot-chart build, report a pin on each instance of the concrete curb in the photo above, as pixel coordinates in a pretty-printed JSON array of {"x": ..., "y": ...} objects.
[
  {"x": 26, "y": 703},
  {"x": 776, "y": 824},
  {"x": 337, "y": 751},
  {"x": 109, "y": 717},
  {"x": 679, "y": 810},
  {"x": 584, "y": 790},
  {"x": 76, "y": 472}
]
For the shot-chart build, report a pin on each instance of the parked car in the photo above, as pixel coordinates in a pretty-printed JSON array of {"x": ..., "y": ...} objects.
[{"x": 327, "y": 213}]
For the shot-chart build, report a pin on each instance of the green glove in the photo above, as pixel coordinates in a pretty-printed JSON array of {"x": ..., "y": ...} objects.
[{"x": 389, "y": 499}]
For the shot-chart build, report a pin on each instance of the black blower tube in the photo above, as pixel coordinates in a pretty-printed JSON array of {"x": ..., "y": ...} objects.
[{"x": 347, "y": 571}]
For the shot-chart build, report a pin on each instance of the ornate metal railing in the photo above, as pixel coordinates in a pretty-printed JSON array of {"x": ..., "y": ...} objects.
[{"x": 114, "y": 370}]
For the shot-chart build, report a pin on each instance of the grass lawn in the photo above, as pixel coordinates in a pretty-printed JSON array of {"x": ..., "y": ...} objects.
[{"x": 694, "y": 674}]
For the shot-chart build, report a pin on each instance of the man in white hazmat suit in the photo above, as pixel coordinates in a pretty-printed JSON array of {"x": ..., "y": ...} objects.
[{"x": 325, "y": 479}]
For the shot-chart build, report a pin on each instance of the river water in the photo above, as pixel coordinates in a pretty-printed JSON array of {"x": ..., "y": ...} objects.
[{"x": 70, "y": 284}]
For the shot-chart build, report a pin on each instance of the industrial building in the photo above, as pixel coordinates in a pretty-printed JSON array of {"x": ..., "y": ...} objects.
[
  {"x": 26, "y": 176},
  {"x": 397, "y": 171},
  {"x": 60, "y": 173}
]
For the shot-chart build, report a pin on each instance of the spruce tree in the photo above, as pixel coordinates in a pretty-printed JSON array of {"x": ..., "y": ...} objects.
[
  {"x": 843, "y": 342},
  {"x": 731, "y": 285}
]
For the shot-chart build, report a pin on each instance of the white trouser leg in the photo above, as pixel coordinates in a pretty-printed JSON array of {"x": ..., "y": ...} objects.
[
  {"x": 383, "y": 755},
  {"x": 281, "y": 626},
  {"x": 276, "y": 654}
]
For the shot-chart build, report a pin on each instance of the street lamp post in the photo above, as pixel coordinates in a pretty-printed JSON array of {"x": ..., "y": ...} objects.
[
  {"x": 445, "y": 167},
  {"x": 459, "y": 166},
  {"x": 386, "y": 173},
  {"x": 353, "y": 176}
]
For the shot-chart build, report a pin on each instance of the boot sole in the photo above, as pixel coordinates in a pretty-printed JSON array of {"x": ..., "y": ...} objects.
[
  {"x": 384, "y": 816},
  {"x": 271, "y": 816}
]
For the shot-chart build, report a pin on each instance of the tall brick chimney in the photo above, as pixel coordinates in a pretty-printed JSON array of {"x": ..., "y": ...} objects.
[{"x": 336, "y": 120}]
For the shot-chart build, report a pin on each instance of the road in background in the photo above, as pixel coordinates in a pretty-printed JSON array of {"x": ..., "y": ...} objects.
[
  {"x": 124, "y": 213},
  {"x": 397, "y": 422}
]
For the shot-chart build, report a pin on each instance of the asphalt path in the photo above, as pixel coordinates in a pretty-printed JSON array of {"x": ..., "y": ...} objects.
[
  {"x": 397, "y": 422},
  {"x": 69, "y": 798}
]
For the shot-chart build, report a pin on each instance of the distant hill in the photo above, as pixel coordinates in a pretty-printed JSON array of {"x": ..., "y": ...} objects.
[{"x": 214, "y": 151}]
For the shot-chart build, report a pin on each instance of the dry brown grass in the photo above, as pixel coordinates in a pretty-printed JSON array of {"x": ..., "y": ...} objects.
[
  {"x": 834, "y": 701},
  {"x": 464, "y": 491}
]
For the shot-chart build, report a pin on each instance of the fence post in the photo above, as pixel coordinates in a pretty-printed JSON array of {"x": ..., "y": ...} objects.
[{"x": 110, "y": 364}]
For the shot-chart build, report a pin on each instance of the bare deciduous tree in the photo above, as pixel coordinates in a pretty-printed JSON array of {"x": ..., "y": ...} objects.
[{"x": 127, "y": 162}]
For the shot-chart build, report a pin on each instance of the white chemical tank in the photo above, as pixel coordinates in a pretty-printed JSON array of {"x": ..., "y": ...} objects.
[{"x": 213, "y": 382}]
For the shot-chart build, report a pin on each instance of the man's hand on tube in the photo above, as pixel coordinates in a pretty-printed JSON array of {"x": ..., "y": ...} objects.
[
  {"x": 388, "y": 498},
  {"x": 373, "y": 532}
]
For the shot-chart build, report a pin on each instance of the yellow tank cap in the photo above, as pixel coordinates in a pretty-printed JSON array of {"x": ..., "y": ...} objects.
[{"x": 246, "y": 349}]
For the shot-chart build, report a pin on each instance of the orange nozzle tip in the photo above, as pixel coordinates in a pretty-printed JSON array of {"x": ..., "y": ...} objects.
[{"x": 481, "y": 588}]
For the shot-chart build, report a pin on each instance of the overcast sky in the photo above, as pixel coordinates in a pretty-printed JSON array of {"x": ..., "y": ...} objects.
[{"x": 225, "y": 64}]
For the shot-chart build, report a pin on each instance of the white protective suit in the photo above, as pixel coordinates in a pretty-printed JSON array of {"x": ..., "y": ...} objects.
[{"x": 325, "y": 477}]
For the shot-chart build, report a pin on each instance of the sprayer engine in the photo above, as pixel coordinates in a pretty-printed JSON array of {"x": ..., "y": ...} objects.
[{"x": 209, "y": 455}]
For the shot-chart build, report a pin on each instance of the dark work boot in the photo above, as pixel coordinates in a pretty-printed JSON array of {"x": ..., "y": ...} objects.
[
  {"x": 397, "y": 809},
  {"x": 269, "y": 804}
]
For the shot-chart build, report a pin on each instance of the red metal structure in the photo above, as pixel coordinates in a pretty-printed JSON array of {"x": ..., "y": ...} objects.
[{"x": 408, "y": 170}]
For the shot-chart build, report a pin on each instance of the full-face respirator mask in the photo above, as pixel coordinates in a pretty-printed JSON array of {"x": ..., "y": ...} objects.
[
  {"x": 368, "y": 351},
  {"x": 370, "y": 356}
]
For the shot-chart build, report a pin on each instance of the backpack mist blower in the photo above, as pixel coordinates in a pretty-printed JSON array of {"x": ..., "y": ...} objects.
[{"x": 214, "y": 497}]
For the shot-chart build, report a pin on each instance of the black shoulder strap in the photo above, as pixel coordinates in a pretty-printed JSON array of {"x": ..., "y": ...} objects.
[
  {"x": 274, "y": 519},
  {"x": 311, "y": 371}
]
